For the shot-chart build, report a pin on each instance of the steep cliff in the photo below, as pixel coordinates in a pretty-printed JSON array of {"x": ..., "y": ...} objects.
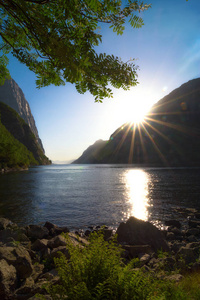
[
  {"x": 12, "y": 95},
  {"x": 170, "y": 135},
  {"x": 21, "y": 132}
]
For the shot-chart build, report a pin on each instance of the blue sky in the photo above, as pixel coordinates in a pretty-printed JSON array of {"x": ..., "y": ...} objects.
[{"x": 167, "y": 50}]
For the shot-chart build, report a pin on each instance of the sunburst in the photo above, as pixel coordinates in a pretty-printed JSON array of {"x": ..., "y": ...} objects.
[{"x": 158, "y": 131}]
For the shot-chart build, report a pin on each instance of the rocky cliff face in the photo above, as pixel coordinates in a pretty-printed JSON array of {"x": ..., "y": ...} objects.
[
  {"x": 12, "y": 95},
  {"x": 20, "y": 131},
  {"x": 170, "y": 135}
]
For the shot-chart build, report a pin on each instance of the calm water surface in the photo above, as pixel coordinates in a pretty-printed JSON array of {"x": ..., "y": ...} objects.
[{"x": 83, "y": 195}]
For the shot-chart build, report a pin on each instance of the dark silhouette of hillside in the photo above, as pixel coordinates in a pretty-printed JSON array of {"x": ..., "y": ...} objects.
[
  {"x": 18, "y": 132},
  {"x": 169, "y": 136}
]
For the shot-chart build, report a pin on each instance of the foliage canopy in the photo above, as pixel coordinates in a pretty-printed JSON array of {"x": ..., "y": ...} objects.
[{"x": 57, "y": 40}]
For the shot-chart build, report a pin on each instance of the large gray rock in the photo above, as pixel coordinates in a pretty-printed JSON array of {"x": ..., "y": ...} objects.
[
  {"x": 8, "y": 279},
  {"x": 138, "y": 232},
  {"x": 19, "y": 258}
]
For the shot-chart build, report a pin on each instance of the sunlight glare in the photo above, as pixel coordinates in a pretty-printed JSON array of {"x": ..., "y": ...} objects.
[
  {"x": 134, "y": 105},
  {"x": 137, "y": 187}
]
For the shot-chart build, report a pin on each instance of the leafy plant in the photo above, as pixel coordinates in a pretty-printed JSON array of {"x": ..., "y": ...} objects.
[{"x": 98, "y": 272}]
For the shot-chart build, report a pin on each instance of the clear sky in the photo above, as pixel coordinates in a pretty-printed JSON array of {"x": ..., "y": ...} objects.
[{"x": 167, "y": 50}]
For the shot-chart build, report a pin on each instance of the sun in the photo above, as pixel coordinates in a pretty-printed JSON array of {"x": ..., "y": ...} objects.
[
  {"x": 133, "y": 106},
  {"x": 137, "y": 111},
  {"x": 137, "y": 114}
]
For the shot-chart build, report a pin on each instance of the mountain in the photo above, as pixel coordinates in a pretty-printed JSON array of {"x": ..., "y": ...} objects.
[
  {"x": 18, "y": 144},
  {"x": 13, "y": 154},
  {"x": 91, "y": 154},
  {"x": 12, "y": 95},
  {"x": 169, "y": 136}
]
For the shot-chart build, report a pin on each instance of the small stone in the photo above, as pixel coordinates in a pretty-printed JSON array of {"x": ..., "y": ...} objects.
[{"x": 145, "y": 258}]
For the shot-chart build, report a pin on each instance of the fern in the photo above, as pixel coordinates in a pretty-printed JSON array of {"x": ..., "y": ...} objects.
[{"x": 97, "y": 272}]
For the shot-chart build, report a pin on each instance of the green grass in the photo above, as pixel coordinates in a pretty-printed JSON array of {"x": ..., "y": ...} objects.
[{"x": 97, "y": 271}]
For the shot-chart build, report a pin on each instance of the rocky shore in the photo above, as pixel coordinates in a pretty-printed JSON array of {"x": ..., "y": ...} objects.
[
  {"x": 27, "y": 253},
  {"x": 11, "y": 170}
]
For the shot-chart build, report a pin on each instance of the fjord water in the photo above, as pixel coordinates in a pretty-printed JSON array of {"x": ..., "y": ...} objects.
[{"x": 79, "y": 196}]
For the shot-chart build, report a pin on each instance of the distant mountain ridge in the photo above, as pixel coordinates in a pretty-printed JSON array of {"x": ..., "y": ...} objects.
[
  {"x": 12, "y": 95},
  {"x": 170, "y": 135}
]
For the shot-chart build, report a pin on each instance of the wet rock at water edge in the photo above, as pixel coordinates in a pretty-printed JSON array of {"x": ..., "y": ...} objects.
[{"x": 138, "y": 232}]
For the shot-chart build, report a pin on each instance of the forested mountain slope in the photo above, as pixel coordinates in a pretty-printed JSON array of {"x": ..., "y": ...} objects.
[{"x": 18, "y": 145}]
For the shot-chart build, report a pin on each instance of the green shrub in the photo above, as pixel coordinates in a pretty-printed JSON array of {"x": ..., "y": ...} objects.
[{"x": 97, "y": 272}]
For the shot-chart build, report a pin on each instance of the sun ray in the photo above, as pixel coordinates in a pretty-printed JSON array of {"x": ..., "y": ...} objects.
[
  {"x": 159, "y": 132},
  {"x": 142, "y": 143},
  {"x": 164, "y": 137},
  {"x": 123, "y": 139},
  {"x": 166, "y": 103},
  {"x": 183, "y": 129},
  {"x": 154, "y": 145},
  {"x": 130, "y": 159}
]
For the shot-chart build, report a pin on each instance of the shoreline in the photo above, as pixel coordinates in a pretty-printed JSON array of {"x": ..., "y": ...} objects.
[
  {"x": 9, "y": 170},
  {"x": 28, "y": 252}
]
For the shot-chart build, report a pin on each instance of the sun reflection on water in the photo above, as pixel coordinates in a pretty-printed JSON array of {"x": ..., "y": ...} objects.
[{"x": 137, "y": 189}]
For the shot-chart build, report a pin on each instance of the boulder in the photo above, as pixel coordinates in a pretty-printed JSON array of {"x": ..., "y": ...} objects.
[
  {"x": 38, "y": 245},
  {"x": 37, "y": 271},
  {"x": 138, "y": 232},
  {"x": 8, "y": 279},
  {"x": 54, "y": 229},
  {"x": 35, "y": 232},
  {"x": 19, "y": 258},
  {"x": 57, "y": 241},
  {"x": 56, "y": 252},
  {"x": 26, "y": 289},
  {"x": 77, "y": 240},
  {"x": 4, "y": 223}
]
